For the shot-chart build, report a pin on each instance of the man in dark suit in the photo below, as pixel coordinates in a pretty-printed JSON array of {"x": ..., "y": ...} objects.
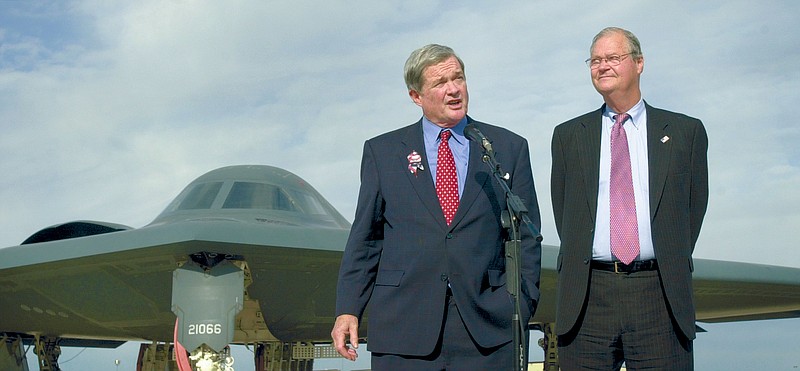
[
  {"x": 629, "y": 191},
  {"x": 426, "y": 249}
]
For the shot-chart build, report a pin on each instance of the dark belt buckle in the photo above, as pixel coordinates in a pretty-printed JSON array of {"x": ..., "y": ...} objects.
[{"x": 616, "y": 268}]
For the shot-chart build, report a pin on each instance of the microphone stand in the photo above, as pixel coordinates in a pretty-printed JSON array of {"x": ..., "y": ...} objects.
[{"x": 511, "y": 219}]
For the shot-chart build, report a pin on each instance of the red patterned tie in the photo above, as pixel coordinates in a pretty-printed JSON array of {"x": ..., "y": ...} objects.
[
  {"x": 446, "y": 180},
  {"x": 624, "y": 227}
]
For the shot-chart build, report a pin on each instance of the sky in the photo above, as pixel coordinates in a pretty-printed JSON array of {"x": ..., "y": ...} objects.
[{"x": 108, "y": 109}]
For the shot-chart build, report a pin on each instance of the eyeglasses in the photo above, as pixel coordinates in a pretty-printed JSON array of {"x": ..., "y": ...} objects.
[{"x": 611, "y": 60}]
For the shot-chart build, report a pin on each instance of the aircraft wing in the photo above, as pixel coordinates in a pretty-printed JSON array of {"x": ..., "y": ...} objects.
[
  {"x": 730, "y": 291},
  {"x": 119, "y": 285},
  {"x": 724, "y": 291}
]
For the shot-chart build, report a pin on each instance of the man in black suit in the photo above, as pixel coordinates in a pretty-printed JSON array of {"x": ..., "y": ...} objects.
[
  {"x": 426, "y": 248},
  {"x": 629, "y": 191}
]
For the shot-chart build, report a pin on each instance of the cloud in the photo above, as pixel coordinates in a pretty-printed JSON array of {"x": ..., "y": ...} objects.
[{"x": 110, "y": 111}]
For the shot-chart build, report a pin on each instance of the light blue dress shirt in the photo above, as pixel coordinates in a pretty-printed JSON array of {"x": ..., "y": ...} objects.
[{"x": 459, "y": 145}]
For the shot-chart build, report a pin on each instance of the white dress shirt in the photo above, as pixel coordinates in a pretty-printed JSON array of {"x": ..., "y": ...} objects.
[{"x": 636, "y": 131}]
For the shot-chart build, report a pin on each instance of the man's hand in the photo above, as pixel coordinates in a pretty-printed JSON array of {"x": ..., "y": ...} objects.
[{"x": 346, "y": 325}]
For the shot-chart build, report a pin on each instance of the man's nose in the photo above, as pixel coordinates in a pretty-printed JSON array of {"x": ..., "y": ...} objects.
[{"x": 452, "y": 87}]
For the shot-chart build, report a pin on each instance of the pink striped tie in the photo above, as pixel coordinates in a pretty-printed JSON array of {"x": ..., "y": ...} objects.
[
  {"x": 446, "y": 180},
  {"x": 624, "y": 227}
]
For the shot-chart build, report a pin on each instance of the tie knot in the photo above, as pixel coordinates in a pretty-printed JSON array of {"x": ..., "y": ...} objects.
[
  {"x": 620, "y": 118},
  {"x": 445, "y": 135}
]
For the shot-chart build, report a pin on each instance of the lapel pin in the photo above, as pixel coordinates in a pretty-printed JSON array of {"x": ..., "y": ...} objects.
[
  {"x": 415, "y": 162},
  {"x": 664, "y": 139}
]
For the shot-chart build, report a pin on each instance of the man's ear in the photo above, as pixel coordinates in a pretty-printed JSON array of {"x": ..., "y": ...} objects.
[{"x": 415, "y": 97}]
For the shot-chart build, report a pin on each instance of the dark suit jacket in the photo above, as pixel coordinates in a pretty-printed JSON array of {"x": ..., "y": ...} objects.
[
  {"x": 401, "y": 254},
  {"x": 678, "y": 178}
]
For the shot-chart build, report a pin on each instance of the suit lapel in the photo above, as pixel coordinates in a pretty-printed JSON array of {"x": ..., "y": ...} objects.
[
  {"x": 659, "y": 148},
  {"x": 588, "y": 141},
  {"x": 473, "y": 184},
  {"x": 422, "y": 181}
]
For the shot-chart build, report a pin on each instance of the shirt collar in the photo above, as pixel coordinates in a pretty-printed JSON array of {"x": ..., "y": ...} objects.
[
  {"x": 636, "y": 112},
  {"x": 431, "y": 131}
]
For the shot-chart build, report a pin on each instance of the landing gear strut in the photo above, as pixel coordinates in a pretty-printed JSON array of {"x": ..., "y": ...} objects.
[
  {"x": 549, "y": 343},
  {"x": 47, "y": 350}
]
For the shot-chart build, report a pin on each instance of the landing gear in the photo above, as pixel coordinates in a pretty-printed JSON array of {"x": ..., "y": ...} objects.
[
  {"x": 160, "y": 357},
  {"x": 156, "y": 357},
  {"x": 47, "y": 350},
  {"x": 280, "y": 356},
  {"x": 206, "y": 359},
  {"x": 12, "y": 356},
  {"x": 549, "y": 344}
]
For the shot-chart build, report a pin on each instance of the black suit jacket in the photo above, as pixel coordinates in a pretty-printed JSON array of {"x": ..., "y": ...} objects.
[
  {"x": 401, "y": 254},
  {"x": 678, "y": 179}
]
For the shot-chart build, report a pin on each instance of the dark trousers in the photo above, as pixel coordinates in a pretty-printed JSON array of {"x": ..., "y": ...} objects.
[
  {"x": 455, "y": 350},
  {"x": 625, "y": 319}
]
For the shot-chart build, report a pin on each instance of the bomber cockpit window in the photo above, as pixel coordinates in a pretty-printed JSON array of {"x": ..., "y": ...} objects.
[
  {"x": 309, "y": 203},
  {"x": 248, "y": 195},
  {"x": 200, "y": 196}
]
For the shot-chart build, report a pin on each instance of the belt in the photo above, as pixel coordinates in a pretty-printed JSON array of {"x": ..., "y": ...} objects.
[{"x": 619, "y": 267}]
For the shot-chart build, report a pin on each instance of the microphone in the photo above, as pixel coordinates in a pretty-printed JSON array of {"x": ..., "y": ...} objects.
[{"x": 474, "y": 134}]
